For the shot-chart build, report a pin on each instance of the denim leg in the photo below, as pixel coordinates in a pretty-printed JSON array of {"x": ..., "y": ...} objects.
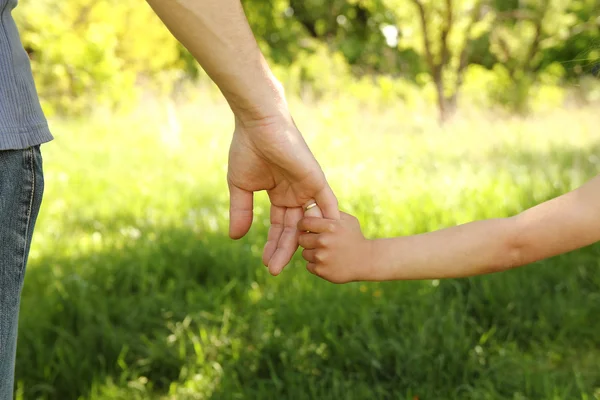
[{"x": 21, "y": 189}]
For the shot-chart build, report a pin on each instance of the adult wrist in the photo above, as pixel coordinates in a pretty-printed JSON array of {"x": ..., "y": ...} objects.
[{"x": 259, "y": 100}]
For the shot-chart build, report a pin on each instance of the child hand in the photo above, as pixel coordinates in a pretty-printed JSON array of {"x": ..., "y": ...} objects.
[{"x": 336, "y": 250}]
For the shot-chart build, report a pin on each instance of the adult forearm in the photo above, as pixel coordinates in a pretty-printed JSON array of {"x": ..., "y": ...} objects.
[
  {"x": 217, "y": 34},
  {"x": 466, "y": 250}
]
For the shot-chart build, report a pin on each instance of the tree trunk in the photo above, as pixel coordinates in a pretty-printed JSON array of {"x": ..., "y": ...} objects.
[{"x": 441, "y": 100}]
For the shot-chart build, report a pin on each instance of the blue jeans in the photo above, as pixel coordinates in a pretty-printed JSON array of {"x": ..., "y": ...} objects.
[{"x": 21, "y": 189}]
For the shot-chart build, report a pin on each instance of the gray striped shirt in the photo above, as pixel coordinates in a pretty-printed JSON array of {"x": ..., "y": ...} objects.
[{"x": 22, "y": 122}]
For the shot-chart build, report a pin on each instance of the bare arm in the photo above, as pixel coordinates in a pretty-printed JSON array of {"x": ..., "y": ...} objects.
[
  {"x": 557, "y": 226},
  {"x": 338, "y": 252},
  {"x": 217, "y": 34},
  {"x": 267, "y": 151},
  {"x": 554, "y": 227},
  {"x": 471, "y": 249}
]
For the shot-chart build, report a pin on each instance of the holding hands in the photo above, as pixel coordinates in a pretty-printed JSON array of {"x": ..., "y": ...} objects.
[
  {"x": 269, "y": 153},
  {"x": 335, "y": 250}
]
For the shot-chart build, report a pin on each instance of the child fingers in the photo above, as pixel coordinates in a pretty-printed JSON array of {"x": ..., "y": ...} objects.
[
  {"x": 309, "y": 255},
  {"x": 309, "y": 240},
  {"x": 315, "y": 225},
  {"x": 312, "y": 268}
]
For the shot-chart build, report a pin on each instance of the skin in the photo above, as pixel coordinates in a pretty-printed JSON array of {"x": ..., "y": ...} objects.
[
  {"x": 336, "y": 250},
  {"x": 267, "y": 151}
]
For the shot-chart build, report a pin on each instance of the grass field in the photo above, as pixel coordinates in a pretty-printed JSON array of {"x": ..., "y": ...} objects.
[{"x": 134, "y": 291}]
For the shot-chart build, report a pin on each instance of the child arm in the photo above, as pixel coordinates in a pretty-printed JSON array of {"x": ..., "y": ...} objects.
[{"x": 337, "y": 251}]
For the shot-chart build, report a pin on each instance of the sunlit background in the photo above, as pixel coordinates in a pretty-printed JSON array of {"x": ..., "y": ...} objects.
[{"x": 424, "y": 114}]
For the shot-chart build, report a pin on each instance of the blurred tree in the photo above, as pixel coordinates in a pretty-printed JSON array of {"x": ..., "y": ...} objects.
[
  {"x": 580, "y": 50},
  {"x": 352, "y": 27},
  {"x": 443, "y": 33},
  {"x": 520, "y": 37},
  {"x": 87, "y": 53}
]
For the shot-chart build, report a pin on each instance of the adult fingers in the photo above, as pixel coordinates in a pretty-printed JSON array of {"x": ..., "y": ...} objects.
[
  {"x": 241, "y": 203},
  {"x": 288, "y": 241},
  {"x": 275, "y": 232}
]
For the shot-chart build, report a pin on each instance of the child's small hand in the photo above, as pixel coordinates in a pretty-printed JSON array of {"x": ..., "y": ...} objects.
[{"x": 336, "y": 250}]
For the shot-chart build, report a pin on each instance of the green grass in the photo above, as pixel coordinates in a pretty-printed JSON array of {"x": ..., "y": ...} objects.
[{"x": 134, "y": 291}]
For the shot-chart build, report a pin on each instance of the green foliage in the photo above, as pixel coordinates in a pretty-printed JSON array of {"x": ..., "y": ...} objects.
[
  {"x": 352, "y": 27},
  {"x": 88, "y": 54},
  {"x": 511, "y": 91},
  {"x": 276, "y": 29},
  {"x": 521, "y": 41},
  {"x": 318, "y": 71},
  {"x": 134, "y": 291},
  {"x": 496, "y": 88}
]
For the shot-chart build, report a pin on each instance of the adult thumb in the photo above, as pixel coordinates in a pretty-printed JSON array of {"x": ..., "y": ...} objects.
[
  {"x": 328, "y": 203},
  {"x": 241, "y": 205}
]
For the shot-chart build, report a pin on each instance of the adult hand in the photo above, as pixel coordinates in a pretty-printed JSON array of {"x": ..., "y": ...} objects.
[
  {"x": 270, "y": 154},
  {"x": 267, "y": 152}
]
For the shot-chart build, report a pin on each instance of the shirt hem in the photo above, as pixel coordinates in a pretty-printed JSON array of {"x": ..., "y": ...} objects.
[{"x": 25, "y": 137}]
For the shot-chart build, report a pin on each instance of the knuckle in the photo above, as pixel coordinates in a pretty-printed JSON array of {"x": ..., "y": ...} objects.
[
  {"x": 332, "y": 227},
  {"x": 304, "y": 225},
  {"x": 322, "y": 241},
  {"x": 321, "y": 257},
  {"x": 305, "y": 240},
  {"x": 306, "y": 254}
]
